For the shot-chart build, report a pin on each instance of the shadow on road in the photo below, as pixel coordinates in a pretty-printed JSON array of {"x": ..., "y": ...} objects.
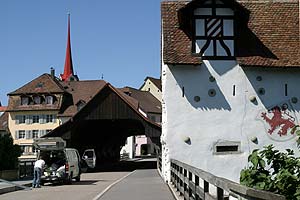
[
  {"x": 123, "y": 166},
  {"x": 87, "y": 182}
]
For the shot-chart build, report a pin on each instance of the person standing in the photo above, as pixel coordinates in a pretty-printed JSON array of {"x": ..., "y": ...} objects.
[{"x": 37, "y": 172}]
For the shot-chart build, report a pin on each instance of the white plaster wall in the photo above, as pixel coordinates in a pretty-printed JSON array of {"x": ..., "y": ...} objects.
[
  {"x": 129, "y": 147},
  {"x": 223, "y": 117}
]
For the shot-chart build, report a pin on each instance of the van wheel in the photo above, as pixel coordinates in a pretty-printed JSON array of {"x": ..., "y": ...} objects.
[{"x": 77, "y": 178}]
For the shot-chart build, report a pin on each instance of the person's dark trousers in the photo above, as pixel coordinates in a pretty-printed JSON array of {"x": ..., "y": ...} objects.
[{"x": 37, "y": 173}]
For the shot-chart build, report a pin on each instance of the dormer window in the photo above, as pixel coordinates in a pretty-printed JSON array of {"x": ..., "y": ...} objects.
[
  {"x": 80, "y": 104},
  {"x": 214, "y": 31},
  {"x": 49, "y": 99},
  {"x": 24, "y": 100},
  {"x": 37, "y": 100}
]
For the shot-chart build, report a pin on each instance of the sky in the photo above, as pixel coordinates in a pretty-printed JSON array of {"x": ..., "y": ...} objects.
[{"x": 117, "y": 39}]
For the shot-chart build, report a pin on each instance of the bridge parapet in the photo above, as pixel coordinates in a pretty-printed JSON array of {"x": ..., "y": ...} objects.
[{"x": 195, "y": 184}]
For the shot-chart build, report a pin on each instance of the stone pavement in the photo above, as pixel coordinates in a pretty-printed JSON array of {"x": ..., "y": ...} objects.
[{"x": 143, "y": 184}]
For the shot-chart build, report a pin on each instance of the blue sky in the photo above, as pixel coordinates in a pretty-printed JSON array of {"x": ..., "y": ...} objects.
[{"x": 119, "y": 39}]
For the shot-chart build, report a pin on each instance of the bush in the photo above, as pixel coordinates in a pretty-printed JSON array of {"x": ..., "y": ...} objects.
[
  {"x": 9, "y": 153},
  {"x": 273, "y": 171}
]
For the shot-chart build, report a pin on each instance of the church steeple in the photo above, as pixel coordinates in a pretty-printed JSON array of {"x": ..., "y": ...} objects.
[{"x": 68, "y": 74}]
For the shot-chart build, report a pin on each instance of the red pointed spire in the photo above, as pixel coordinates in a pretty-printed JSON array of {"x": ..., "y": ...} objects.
[{"x": 68, "y": 69}]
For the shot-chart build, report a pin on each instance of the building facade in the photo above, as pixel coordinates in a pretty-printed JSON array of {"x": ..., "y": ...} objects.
[
  {"x": 32, "y": 111},
  {"x": 149, "y": 105},
  {"x": 152, "y": 85},
  {"x": 230, "y": 72}
]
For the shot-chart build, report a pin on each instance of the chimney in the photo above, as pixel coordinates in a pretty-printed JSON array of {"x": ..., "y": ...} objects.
[{"x": 52, "y": 71}]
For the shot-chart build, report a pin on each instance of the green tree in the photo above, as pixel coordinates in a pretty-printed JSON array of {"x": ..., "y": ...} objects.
[
  {"x": 9, "y": 153},
  {"x": 273, "y": 171}
]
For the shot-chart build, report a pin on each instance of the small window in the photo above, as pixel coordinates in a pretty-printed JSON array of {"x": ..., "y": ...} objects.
[
  {"x": 80, "y": 105},
  {"x": 34, "y": 150},
  {"x": 37, "y": 100},
  {"x": 214, "y": 31},
  {"x": 35, "y": 133},
  {"x": 22, "y": 147},
  {"x": 152, "y": 118},
  {"x": 227, "y": 147},
  {"x": 22, "y": 134},
  {"x": 49, "y": 118},
  {"x": 26, "y": 149},
  {"x": 24, "y": 100},
  {"x": 21, "y": 119},
  {"x": 35, "y": 118},
  {"x": 49, "y": 99}
]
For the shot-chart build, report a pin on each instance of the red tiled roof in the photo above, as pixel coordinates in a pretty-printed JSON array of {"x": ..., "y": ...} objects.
[
  {"x": 147, "y": 102},
  {"x": 81, "y": 91},
  {"x": 177, "y": 45},
  {"x": 271, "y": 37},
  {"x": 42, "y": 84},
  {"x": 4, "y": 121},
  {"x": 130, "y": 102},
  {"x": 3, "y": 108},
  {"x": 69, "y": 94}
]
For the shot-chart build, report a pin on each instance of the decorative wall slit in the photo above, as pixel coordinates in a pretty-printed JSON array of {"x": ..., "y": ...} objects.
[
  {"x": 285, "y": 90},
  {"x": 233, "y": 91}
]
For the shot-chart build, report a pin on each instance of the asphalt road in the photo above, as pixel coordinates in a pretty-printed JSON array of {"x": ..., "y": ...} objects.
[
  {"x": 89, "y": 187},
  {"x": 143, "y": 184}
]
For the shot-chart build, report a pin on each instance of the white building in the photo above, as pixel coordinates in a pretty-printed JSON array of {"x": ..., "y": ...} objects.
[{"x": 230, "y": 76}]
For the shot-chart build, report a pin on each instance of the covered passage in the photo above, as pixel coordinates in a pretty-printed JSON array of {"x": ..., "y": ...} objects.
[{"x": 104, "y": 124}]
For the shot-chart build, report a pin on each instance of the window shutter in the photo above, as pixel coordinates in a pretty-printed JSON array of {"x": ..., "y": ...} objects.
[
  {"x": 27, "y": 119},
  {"x": 17, "y": 119},
  {"x": 42, "y": 133},
  {"x": 54, "y": 119},
  {"x": 16, "y": 135},
  {"x": 28, "y": 134}
]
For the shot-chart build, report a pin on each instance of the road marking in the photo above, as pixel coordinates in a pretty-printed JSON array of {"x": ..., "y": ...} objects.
[{"x": 111, "y": 185}]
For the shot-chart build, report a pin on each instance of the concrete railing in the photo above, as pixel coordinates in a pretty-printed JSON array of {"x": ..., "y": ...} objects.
[{"x": 194, "y": 183}]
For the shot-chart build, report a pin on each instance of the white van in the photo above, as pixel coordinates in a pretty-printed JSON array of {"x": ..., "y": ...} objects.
[{"x": 62, "y": 164}]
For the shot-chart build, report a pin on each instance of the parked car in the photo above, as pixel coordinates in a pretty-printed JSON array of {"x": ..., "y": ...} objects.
[
  {"x": 62, "y": 164},
  {"x": 89, "y": 156}
]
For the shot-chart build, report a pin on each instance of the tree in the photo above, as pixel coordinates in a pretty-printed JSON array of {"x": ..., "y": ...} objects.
[
  {"x": 9, "y": 153},
  {"x": 273, "y": 171}
]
